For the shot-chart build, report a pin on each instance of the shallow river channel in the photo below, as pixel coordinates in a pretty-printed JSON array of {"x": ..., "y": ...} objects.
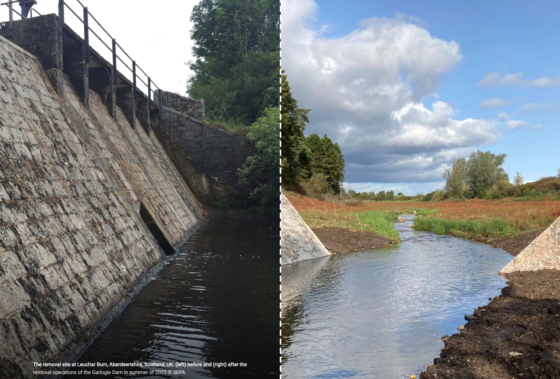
[
  {"x": 381, "y": 313},
  {"x": 214, "y": 301}
]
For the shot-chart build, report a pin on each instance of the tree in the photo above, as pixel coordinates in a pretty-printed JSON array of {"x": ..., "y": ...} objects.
[
  {"x": 261, "y": 170},
  {"x": 326, "y": 158},
  {"x": 352, "y": 194},
  {"x": 236, "y": 45},
  {"x": 455, "y": 178},
  {"x": 518, "y": 179},
  {"x": 483, "y": 170},
  {"x": 296, "y": 154},
  {"x": 390, "y": 195}
]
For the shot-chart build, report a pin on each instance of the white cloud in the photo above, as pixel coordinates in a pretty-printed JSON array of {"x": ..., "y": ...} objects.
[
  {"x": 538, "y": 127},
  {"x": 366, "y": 91},
  {"x": 527, "y": 108},
  {"x": 502, "y": 116},
  {"x": 518, "y": 80},
  {"x": 493, "y": 103},
  {"x": 515, "y": 124}
]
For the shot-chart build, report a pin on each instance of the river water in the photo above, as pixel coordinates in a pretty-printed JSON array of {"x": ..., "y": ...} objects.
[
  {"x": 216, "y": 300},
  {"x": 381, "y": 313}
]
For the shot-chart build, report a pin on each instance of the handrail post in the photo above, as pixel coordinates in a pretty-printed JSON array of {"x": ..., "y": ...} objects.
[
  {"x": 60, "y": 38},
  {"x": 115, "y": 74},
  {"x": 60, "y": 14},
  {"x": 159, "y": 103},
  {"x": 11, "y": 15},
  {"x": 134, "y": 95},
  {"x": 149, "y": 103},
  {"x": 86, "y": 36}
]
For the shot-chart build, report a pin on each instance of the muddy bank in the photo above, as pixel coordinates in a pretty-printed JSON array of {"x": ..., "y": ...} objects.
[
  {"x": 517, "y": 335},
  {"x": 340, "y": 240},
  {"x": 515, "y": 244}
]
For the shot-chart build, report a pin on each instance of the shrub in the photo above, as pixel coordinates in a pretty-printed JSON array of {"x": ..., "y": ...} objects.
[
  {"x": 500, "y": 189},
  {"x": 316, "y": 187}
]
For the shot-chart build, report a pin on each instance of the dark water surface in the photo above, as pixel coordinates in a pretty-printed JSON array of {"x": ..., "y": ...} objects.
[
  {"x": 381, "y": 313},
  {"x": 216, "y": 300}
]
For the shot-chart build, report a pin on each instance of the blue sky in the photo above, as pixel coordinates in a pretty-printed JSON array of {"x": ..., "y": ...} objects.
[{"x": 493, "y": 62}]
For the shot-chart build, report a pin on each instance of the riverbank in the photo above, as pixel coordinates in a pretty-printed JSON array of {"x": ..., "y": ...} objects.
[
  {"x": 516, "y": 335},
  {"x": 340, "y": 240}
]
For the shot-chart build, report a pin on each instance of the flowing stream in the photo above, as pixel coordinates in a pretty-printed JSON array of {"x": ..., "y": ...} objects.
[
  {"x": 214, "y": 301},
  {"x": 381, "y": 313}
]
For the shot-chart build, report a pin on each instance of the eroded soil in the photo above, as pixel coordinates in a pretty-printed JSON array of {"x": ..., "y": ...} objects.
[{"x": 340, "y": 240}]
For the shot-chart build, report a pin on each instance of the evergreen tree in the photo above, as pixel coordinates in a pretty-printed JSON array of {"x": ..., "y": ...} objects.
[
  {"x": 295, "y": 152},
  {"x": 326, "y": 158}
]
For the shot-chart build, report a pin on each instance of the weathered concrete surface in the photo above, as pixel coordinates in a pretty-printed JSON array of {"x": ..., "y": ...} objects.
[
  {"x": 71, "y": 241},
  {"x": 207, "y": 157},
  {"x": 298, "y": 242},
  {"x": 541, "y": 254}
]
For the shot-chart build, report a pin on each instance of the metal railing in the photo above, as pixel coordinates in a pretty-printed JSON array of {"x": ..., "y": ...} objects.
[
  {"x": 10, "y": 5},
  {"x": 114, "y": 49}
]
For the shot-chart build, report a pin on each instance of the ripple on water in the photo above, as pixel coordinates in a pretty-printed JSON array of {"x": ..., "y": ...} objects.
[
  {"x": 214, "y": 301},
  {"x": 381, "y": 313}
]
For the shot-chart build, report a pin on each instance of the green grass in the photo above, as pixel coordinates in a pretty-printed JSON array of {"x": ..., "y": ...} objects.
[
  {"x": 372, "y": 221},
  {"x": 491, "y": 228}
]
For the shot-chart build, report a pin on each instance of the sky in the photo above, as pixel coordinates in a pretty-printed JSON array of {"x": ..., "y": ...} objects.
[
  {"x": 156, "y": 36},
  {"x": 407, "y": 86}
]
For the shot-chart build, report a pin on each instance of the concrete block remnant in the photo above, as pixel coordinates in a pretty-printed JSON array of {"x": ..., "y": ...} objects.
[
  {"x": 298, "y": 242},
  {"x": 541, "y": 254}
]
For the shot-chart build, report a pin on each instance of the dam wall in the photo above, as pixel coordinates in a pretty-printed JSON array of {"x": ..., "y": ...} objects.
[
  {"x": 541, "y": 254},
  {"x": 299, "y": 243},
  {"x": 206, "y": 156},
  {"x": 89, "y": 200}
]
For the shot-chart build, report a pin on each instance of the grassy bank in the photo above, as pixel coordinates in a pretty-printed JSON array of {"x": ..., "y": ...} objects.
[
  {"x": 475, "y": 219},
  {"x": 371, "y": 221},
  {"x": 492, "y": 228}
]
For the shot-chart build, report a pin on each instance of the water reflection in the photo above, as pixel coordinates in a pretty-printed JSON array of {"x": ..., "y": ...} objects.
[
  {"x": 214, "y": 301},
  {"x": 381, "y": 313}
]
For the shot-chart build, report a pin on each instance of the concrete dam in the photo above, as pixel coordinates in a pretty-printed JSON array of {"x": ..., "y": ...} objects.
[{"x": 90, "y": 200}]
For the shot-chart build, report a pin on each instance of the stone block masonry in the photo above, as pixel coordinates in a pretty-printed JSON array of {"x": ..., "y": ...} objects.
[
  {"x": 72, "y": 244},
  {"x": 207, "y": 157}
]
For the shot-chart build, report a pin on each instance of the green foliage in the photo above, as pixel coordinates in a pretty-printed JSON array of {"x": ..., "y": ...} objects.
[
  {"x": 500, "y": 189},
  {"x": 236, "y": 45},
  {"x": 317, "y": 186},
  {"x": 518, "y": 179},
  {"x": 483, "y": 170},
  {"x": 464, "y": 228},
  {"x": 455, "y": 178},
  {"x": 222, "y": 201},
  {"x": 352, "y": 194},
  {"x": 261, "y": 170},
  {"x": 326, "y": 159},
  {"x": 381, "y": 222},
  {"x": 296, "y": 154}
]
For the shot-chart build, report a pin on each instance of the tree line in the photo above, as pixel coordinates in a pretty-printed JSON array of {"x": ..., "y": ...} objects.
[{"x": 312, "y": 165}]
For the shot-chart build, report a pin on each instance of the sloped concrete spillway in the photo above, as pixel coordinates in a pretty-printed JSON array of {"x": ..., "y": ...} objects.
[{"x": 72, "y": 242}]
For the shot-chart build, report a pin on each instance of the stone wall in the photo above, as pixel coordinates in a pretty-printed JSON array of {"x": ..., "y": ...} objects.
[
  {"x": 185, "y": 105},
  {"x": 72, "y": 244},
  {"x": 299, "y": 243},
  {"x": 541, "y": 254},
  {"x": 206, "y": 156}
]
